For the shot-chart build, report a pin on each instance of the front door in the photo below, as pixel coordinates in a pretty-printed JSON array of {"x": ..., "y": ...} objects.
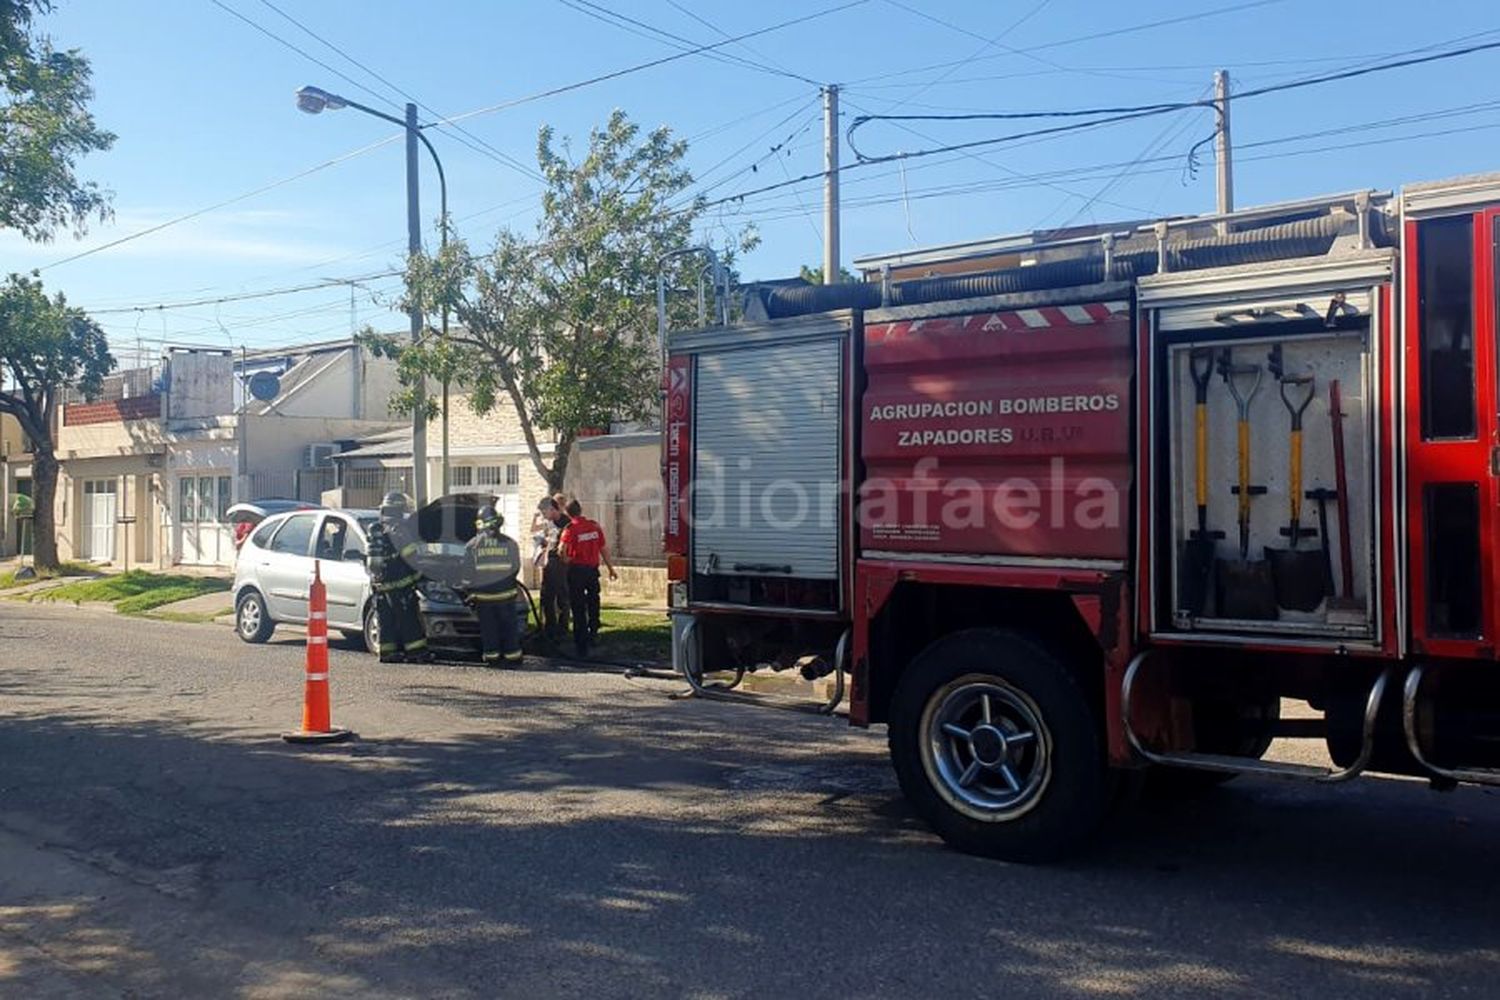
[
  {"x": 339, "y": 551},
  {"x": 1453, "y": 432},
  {"x": 204, "y": 539},
  {"x": 99, "y": 511},
  {"x": 286, "y": 568}
]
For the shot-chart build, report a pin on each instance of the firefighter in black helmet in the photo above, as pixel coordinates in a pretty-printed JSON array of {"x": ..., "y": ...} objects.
[
  {"x": 394, "y": 580},
  {"x": 493, "y": 562}
]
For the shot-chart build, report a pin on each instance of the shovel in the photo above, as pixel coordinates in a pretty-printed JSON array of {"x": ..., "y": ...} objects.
[
  {"x": 1195, "y": 555},
  {"x": 1246, "y": 590},
  {"x": 1297, "y": 572}
]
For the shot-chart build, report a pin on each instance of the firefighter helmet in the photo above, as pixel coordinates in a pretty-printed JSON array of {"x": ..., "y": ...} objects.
[
  {"x": 395, "y": 504},
  {"x": 488, "y": 518}
]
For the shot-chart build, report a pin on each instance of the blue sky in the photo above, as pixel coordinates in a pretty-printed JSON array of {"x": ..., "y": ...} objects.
[{"x": 203, "y": 106}]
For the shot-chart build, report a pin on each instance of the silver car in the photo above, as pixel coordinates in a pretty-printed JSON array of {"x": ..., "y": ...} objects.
[{"x": 275, "y": 570}]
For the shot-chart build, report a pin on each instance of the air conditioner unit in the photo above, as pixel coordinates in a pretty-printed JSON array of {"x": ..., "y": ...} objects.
[{"x": 319, "y": 456}]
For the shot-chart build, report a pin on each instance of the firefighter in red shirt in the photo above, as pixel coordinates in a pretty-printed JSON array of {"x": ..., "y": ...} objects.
[{"x": 584, "y": 546}]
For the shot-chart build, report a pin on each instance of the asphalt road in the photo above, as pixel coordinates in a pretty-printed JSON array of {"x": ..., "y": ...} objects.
[{"x": 546, "y": 833}]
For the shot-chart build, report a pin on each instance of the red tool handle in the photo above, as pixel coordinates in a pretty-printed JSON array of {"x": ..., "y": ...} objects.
[{"x": 1341, "y": 483}]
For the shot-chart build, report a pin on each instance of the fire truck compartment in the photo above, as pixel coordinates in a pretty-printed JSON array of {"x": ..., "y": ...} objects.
[
  {"x": 1324, "y": 358},
  {"x": 999, "y": 433},
  {"x": 767, "y": 432}
]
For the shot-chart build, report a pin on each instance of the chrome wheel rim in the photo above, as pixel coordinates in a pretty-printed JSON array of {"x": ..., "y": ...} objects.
[
  {"x": 249, "y": 616},
  {"x": 986, "y": 749},
  {"x": 372, "y": 631}
]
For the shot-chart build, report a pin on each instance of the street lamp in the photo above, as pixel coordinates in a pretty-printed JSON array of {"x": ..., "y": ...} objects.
[{"x": 315, "y": 100}]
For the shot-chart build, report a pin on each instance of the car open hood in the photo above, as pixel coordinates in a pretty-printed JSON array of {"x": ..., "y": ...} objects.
[
  {"x": 255, "y": 511},
  {"x": 448, "y": 520}
]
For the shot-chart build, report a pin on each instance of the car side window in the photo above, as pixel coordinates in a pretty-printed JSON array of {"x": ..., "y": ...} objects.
[
  {"x": 262, "y": 536},
  {"x": 295, "y": 534},
  {"x": 331, "y": 538}
]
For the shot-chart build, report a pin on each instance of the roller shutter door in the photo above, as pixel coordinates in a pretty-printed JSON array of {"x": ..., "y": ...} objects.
[{"x": 766, "y": 463}]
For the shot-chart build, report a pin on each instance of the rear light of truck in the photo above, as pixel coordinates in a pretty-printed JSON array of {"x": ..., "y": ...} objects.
[{"x": 677, "y": 567}]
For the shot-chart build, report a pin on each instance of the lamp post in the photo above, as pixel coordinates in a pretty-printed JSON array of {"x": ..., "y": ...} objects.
[{"x": 314, "y": 100}]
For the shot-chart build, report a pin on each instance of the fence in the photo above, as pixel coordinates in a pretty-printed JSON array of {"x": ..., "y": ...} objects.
[
  {"x": 365, "y": 487},
  {"x": 633, "y": 527},
  {"x": 293, "y": 484}
]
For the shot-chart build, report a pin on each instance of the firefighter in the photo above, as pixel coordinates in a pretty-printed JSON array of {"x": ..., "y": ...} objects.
[
  {"x": 394, "y": 580},
  {"x": 584, "y": 545},
  {"x": 493, "y": 560},
  {"x": 554, "y": 571}
]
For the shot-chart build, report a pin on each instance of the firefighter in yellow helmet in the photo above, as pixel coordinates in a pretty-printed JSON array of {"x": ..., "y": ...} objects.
[
  {"x": 394, "y": 580},
  {"x": 493, "y": 561}
]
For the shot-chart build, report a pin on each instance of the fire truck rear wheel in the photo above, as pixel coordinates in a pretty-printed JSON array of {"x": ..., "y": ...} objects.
[{"x": 996, "y": 744}]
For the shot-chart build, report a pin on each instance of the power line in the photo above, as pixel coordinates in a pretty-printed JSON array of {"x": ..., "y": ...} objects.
[
  {"x": 601, "y": 13},
  {"x": 1105, "y": 170},
  {"x": 472, "y": 141},
  {"x": 1079, "y": 39},
  {"x": 243, "y": 296},
  {"x": 303, "y": 53},
  {"x": 650, "y": 64},
  {"x": 1127, "y": 113},
  {"x": 223, "y": 204}
]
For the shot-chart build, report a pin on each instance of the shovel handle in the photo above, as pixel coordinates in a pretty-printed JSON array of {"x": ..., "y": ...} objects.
[
  {"x": 1200, "y": 434},
  {"x": 1244, "y": 448},
  {"x": 1295, "y": 494}
]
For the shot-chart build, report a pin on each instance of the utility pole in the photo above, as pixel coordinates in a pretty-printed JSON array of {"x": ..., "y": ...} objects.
[
  {"x": 1222, "y": 147},
  {"x": 414, "y": 247},
  {"x": 831, "y": 184}
]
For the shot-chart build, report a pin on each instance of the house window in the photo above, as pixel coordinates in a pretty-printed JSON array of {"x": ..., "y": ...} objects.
[
  {"x": 462, "y": 475},
  {"x": 187, "y": 499},
  {"x": 500, "y": 475},
  {"x": 226, "y": 496}
]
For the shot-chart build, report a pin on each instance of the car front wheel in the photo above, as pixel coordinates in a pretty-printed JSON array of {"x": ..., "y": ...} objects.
[
  {"x": 252, "y": 622},
  {"x": 372, "y": 630}
]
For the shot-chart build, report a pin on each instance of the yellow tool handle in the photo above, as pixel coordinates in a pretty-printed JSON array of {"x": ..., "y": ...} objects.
[
  {"x": 1296, "y": 475},
  {"x": 1244, "y": 429},
  {"x": 1200, "y": 422}
]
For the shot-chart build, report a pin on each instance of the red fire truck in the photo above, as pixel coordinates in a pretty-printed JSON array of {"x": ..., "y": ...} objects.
[{"x": 1072, "y": 511}]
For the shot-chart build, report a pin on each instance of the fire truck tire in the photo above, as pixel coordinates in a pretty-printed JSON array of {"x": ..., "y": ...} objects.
[
  {"x": 1249, "y": 728},
  {"x": 996, "y": 744}
]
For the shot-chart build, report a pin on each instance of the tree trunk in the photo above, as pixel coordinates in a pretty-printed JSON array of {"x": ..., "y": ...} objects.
[
  {"x": 561, "y": 455},
  {"x": 43, "y": 495}
]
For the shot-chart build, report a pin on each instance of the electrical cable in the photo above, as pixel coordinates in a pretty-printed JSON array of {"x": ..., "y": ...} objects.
[
  {"x": 1130, "y": 113},
  {"x": 223, "y": 204},
  {"x": 464, "y": 137},
  {"x": 649, "y": 64}
]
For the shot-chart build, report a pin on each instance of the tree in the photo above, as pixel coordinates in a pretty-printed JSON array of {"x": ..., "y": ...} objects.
[
  {"x": 45, "y": 128},
  {"x": 814, "y": 275},
  {"x": 562, "y": 326},
  {"x": 45, "y": 345}
]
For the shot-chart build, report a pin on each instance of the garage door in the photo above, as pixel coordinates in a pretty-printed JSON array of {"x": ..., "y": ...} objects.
[
  {"x": 766, "y": 462},
  {"x": 97, "y": 519}
]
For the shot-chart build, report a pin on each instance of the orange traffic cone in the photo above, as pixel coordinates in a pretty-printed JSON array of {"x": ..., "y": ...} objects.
[{"x": 316, "y": 726}]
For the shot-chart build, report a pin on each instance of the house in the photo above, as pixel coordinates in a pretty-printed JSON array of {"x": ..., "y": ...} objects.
[
  {"x": 617, "y": 477},
  {"x": 149, "y": 467},
  {"x": 15, "y": 480}
]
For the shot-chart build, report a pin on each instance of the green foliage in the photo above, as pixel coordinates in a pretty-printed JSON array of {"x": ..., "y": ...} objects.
[
  {"x": 45, "y": 128},
  {"x": 45, "y": 345},
  {"x": 8, "y": 579},
  {"x": 562, "y": 325},
  {"x": 814, "y": 275},
  {"x": 135, "y": 591}
]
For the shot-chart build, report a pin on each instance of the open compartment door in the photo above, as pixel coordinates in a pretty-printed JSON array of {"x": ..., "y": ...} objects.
[{"x": 1453, "y": 432}]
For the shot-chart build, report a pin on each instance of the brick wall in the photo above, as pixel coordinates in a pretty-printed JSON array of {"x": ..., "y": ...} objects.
[{"x": 112, "y": 411}]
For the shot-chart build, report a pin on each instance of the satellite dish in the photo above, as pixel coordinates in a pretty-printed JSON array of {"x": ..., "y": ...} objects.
[{"x": 265, "y": 386}]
